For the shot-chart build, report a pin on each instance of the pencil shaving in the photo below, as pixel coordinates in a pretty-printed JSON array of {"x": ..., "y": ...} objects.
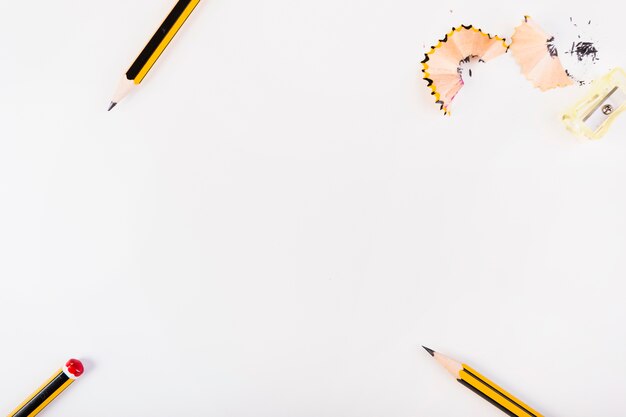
[
  {"x": 538, "y": 57},
  {"x": 443, "y": 63},
  {"x": 550, "y": 61}
]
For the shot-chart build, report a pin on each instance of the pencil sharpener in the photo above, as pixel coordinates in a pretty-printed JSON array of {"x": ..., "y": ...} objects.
[{"x": 593, "y": 115}]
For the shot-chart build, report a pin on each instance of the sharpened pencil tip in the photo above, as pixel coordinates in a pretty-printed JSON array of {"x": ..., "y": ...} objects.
[
  {"x": 430, "y": 351},
  {"x": 113, "y": 104}
]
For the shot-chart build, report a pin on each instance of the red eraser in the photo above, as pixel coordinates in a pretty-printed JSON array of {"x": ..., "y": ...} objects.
[{"x": 74, "y": 368}]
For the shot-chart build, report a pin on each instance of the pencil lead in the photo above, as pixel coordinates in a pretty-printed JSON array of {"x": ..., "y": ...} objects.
[
  {"x": 113, "y": 104},
  {"x": 430, "y": 351}
]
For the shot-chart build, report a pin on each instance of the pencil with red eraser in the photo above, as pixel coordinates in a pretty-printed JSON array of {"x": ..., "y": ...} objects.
[{"x": 50, "y": 390}]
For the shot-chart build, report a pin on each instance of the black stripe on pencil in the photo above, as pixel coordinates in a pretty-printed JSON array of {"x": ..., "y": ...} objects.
[
  {"x": 156, "y": 39},
  {"x": 42, "y": 396}
]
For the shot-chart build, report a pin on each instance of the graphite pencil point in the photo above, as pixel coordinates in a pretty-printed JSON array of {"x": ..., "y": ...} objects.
[
  {"x": 430, "y": 351},
  {"x": 113, "y": 104}
]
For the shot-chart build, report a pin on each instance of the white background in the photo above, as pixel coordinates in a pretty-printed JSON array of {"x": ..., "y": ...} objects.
[{"x": 278, "y": 218}]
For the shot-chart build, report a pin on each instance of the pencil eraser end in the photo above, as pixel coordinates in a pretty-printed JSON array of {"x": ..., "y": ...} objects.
[{"x": 74, "y": 368}]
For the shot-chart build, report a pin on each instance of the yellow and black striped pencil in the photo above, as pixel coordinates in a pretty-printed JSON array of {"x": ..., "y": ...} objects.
[
  {"x": 491, "y": 392},
  {"x": 50, "y": 389},
  {"x": 153, "y": 50}
]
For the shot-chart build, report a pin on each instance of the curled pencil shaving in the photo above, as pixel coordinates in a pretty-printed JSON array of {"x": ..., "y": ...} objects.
[
  {"x": 572, "y": 60},
  {"x": 537, "y": 55},
  {"x": 443, "y": 63}
]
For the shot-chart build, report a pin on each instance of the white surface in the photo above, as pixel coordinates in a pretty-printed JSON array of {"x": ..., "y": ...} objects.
[{"x": 278, "y": 218}]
